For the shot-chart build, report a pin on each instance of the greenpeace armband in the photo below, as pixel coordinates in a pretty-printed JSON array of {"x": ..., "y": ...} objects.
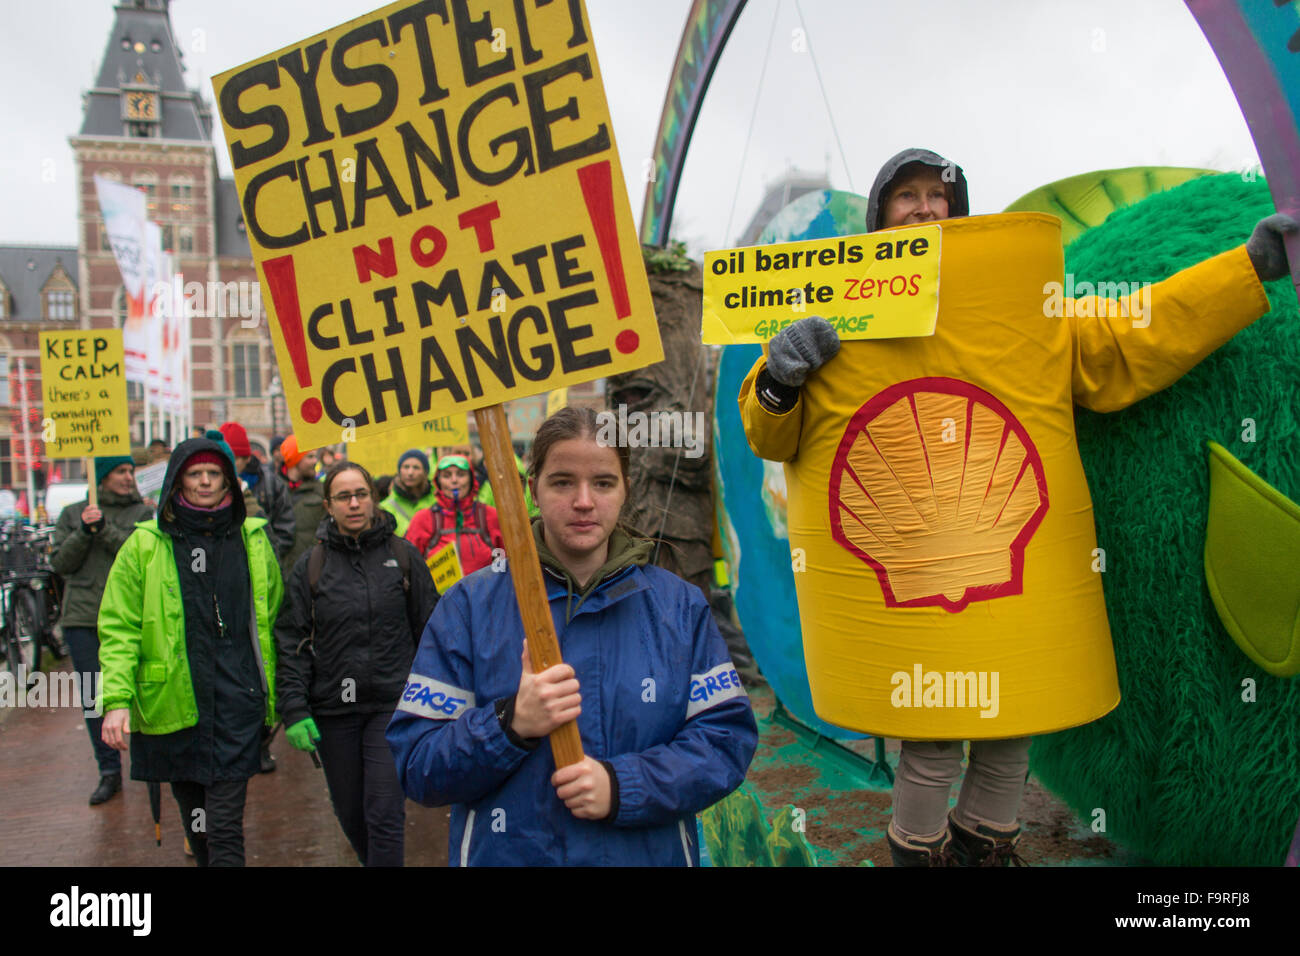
[
  {"x": 713, "y": 687},
  {"x": 775, "y": 396},
  {"x": 433, "y": 699}
]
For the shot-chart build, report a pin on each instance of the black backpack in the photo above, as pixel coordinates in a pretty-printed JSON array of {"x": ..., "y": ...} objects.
[{"x": 316, "y": 563}]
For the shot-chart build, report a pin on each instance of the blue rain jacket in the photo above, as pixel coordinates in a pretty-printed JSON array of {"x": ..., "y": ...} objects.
[{"x": 661, "y": 703}]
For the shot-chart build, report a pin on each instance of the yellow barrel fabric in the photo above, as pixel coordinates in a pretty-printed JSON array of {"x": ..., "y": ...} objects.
[{"x": 944, "y": 523}]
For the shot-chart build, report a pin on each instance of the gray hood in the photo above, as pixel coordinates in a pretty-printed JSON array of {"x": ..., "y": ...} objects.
[{"x": 960, "y": 205}]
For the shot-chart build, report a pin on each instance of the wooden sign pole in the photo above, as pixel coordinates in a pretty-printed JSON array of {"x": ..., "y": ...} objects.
[
  {"x": 92, "y": 486},
  {"x": 530, "y": 589}
]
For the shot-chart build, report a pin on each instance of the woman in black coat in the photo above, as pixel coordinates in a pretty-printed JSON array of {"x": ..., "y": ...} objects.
[{"x": 355, "y": 606}]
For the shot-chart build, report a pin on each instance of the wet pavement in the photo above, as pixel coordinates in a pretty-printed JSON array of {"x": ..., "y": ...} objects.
[{"x": 47, "y": 773}]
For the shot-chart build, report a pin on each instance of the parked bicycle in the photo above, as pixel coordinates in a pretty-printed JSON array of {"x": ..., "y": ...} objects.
[{"x": 29, "y": 603}]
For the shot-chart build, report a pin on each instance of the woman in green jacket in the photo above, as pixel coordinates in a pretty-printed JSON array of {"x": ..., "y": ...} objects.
[{"x": 186, "y": 647}]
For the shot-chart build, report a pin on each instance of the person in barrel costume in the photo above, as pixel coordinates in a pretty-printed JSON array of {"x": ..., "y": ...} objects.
[{"x": 1102, "y": 354}]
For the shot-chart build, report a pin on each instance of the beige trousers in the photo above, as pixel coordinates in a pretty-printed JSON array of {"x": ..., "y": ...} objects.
[{"x": 990, "y": 793}]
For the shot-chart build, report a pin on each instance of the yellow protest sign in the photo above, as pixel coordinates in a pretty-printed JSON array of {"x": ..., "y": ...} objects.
[
  {"x": 880, "y": 286},
  {"x": 556, "y": 400},
  {"x": 444, "y": 565},
  {"x": 83, "y": 394},
  {"x": 435, "y": 203},
  {"x": 378, "y": 454}
]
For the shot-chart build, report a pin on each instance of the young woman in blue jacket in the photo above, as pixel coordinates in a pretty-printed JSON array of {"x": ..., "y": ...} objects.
[{"x": 666, "y": 727}]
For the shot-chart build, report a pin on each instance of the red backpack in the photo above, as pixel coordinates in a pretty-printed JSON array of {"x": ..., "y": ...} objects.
[{"x": 480, "y": 521}]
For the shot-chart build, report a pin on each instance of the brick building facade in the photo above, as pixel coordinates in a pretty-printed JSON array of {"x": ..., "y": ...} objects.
[{"x": 141, "y": 125}]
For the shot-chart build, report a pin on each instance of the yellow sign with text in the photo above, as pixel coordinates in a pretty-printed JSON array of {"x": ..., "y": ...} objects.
[
  {"x": 83, "y": 394},
  {"x": 444, "y": 565},
  {"x": 435, "y": 202},
  {"x": 556, "y": 400},
  {"x": 378, "y": 454},
  {"x": 879, "y": 286}
]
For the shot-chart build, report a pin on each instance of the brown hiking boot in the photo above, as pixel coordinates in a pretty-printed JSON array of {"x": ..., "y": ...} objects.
[
  {"x": 986, "y": 845},
  {"x": 910, "y": 851}
]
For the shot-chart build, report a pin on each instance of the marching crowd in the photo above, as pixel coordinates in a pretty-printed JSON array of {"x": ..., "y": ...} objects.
[
  {"x": 254, "y": 594},
  {"x": 261, "y": 593}
]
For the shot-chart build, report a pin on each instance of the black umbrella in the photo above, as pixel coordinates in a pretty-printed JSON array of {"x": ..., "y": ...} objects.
[
  {"x": 155, "y": 807},
  {"x": 271, "y": 736}
]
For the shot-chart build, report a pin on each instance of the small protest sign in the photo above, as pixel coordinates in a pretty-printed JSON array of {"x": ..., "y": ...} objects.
[
  {"x": 435, "y": 203},
  {"x": 83, "y": 394},
  {"x": 884, "y": 285},
  {"x": 444, "y": 564},
  {"x": 149, "y": 480}
]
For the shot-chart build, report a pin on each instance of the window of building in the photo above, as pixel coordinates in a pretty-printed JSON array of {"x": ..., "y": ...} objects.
[
  {"x": 149, "y": 184},
  {"x": 186, "y": 239},
  {"x": 246, "y": 362},
  {"x": 60, "y": 304},
  {"x": 182, "y": 195},
  {"x": 4, "y": 379},
  {"x": 168, "y": 238},
  {"x": 6, "y": 463}
]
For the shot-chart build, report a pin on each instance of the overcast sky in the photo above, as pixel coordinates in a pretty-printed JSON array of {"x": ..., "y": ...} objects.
[{"x": 1018, "y": 92}]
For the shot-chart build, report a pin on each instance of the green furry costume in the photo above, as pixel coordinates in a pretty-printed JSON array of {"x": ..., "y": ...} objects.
[{"x": 1188, "y": 769}]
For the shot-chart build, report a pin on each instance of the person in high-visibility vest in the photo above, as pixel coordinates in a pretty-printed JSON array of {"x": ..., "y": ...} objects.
[{"x": 411, "y": 489}]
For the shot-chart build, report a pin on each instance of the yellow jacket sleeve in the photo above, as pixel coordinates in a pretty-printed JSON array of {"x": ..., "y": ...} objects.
[
  {"x": 771, "y": 436},
  {"x": 1127, "y": 349}
]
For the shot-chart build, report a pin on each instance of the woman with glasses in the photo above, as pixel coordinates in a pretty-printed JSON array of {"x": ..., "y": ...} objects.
[{"x": 355, "y": 606}]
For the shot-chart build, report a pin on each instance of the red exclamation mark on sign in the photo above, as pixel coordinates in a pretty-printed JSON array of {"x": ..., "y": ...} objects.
[
  {"x": 283, "y": 286},
  {"x": 598, "y": 192}
]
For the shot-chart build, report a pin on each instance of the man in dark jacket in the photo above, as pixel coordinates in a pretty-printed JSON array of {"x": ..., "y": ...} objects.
[
  {"x": 299, "y": 473},
  {"x": 86, "y": 541},
  {"x": 268, "y": 488}
]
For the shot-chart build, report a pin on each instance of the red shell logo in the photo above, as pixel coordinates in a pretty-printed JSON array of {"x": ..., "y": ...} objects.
[{"x": 938, "y": 487}]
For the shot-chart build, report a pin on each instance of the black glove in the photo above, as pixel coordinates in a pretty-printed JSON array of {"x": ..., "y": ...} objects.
[
  {"x": 1266, "y": 249},
  {"x": 800, "y": 349}
]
